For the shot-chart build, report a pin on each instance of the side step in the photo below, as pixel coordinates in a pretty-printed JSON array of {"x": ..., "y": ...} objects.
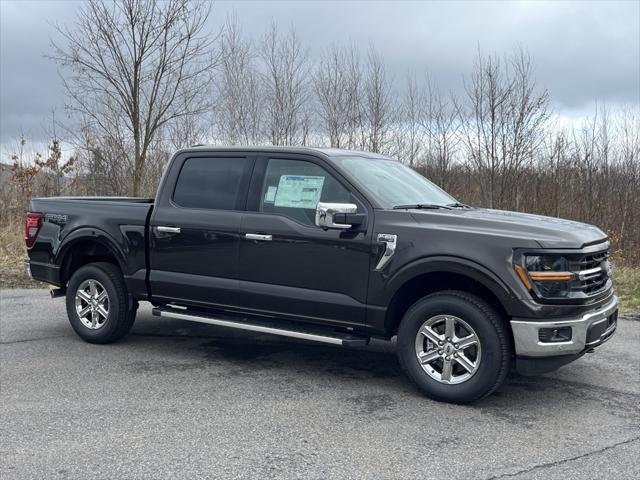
[{"x": 316, "y": 335}]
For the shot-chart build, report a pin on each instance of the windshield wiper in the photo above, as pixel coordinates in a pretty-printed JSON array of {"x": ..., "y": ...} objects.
[
  {"x": 421, "y": 206},
  {"x": 458, "y": 205}
]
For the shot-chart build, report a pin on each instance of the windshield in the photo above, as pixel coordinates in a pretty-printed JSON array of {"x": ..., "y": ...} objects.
[{"x": 393, "y": 183}]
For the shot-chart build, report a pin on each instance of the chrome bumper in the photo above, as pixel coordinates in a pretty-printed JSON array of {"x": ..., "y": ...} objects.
[{"x": 528, "y": 344}]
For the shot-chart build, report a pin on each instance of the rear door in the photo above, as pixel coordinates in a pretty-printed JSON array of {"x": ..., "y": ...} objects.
[
  {"x": 289, "y": 266},
  {"x": 194, "y": 233}
]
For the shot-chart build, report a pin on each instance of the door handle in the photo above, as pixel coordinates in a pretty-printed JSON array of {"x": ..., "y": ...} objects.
[
  {"x": 164, "y": 228},
  {"x": 258, "y": 236}
]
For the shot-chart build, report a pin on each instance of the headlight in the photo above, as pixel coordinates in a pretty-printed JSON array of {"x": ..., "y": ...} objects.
[
  {"x": 546, "y": 275},
  {"x": 546, "y": 263}
]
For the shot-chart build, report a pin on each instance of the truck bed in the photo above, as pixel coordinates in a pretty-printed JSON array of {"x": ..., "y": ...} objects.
[{"x": 118, "y": 224}]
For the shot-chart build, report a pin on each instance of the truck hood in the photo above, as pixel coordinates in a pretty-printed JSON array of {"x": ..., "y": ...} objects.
[{"x": 548, "y": 232}]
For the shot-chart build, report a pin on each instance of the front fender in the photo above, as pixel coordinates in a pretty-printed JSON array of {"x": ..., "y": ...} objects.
[
  {"x": 450, "y": 264},
  {"x": 384, "y": 288}
]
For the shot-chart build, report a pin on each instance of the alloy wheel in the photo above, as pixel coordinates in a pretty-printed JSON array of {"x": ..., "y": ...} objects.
[
  {"x": 92, "y": 304},
  {"x": 448, "y": 349}
]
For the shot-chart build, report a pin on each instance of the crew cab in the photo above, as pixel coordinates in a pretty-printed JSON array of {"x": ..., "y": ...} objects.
[{"x": 338, "y": 247}]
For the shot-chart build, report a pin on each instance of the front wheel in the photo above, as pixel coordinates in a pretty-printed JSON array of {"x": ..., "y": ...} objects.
[
  {"x": 454, "y": 346},
  {"x": 97, "y": 303}
]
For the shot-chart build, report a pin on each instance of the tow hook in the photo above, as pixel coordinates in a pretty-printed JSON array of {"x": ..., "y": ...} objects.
[{"x": 591, "y": 350}]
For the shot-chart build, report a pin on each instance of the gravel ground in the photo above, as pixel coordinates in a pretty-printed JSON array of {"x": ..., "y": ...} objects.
[{"x": 182, "y": 400}]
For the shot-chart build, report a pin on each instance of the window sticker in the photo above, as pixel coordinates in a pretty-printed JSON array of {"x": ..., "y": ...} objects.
[
  {"x": 270, "y": 196},
  {"x": 299, "y": 191}
]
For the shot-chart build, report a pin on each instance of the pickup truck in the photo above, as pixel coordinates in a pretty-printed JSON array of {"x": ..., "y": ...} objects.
[{"x": 338, "y": 247}]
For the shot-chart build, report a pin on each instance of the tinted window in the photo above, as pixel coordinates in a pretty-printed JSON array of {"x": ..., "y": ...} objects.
[
  {"x": 211, "y": 183},
  {"x": 294, "y": 187}
]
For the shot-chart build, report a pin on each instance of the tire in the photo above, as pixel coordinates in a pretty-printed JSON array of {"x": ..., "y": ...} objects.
[
  {"x": 475, "y": 369},
  {"x": 98, "y": 292}
]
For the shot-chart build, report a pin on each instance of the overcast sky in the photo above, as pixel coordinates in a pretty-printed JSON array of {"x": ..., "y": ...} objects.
[{"x": 583, "y": 51}]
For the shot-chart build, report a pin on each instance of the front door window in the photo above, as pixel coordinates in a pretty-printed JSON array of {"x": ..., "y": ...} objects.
[{"x": 293, "y": 188}]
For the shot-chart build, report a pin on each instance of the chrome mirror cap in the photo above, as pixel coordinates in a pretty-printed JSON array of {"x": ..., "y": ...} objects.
[{"x": 326, "y": 212}]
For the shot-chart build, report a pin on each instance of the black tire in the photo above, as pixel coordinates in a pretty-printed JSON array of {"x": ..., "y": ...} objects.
[
  {"x": 120, "y": 316},
  {"x": 489, "y": 328}
]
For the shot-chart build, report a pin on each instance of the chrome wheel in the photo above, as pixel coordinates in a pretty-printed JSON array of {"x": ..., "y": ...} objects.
[
  {"x": 92, "y": 304},
  {"x": 448, "y": 349}
]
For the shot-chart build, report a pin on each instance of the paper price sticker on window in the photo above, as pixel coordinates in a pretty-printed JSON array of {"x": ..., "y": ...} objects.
[{"x": 299, "y": 191}]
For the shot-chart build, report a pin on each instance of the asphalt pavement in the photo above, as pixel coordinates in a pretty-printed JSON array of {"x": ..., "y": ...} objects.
[{"x": 181, "y": 400}]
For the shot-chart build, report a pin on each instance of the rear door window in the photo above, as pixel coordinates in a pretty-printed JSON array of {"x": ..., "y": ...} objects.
[{"x": 210, "y": 183}]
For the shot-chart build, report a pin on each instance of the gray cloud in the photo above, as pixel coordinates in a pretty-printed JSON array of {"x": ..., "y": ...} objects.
[{"x": 584, "y": 51}]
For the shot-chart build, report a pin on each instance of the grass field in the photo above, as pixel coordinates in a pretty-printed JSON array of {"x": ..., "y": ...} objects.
[
  {"x": 626, "y": 282},
  {"x": 626, "y": 279},
  {"x": 12, "y": 254}
]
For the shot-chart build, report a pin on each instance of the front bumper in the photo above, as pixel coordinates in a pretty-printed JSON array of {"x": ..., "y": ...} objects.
[{"x": 588, "y": 331}]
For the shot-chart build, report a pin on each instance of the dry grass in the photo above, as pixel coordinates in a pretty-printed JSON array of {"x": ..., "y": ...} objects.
[
  {"x": 12, "y": 253},
  {"x": 626, "y": 282}
]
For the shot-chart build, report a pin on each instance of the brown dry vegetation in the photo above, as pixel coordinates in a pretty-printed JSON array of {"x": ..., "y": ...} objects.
[{"x": 12, "y": 254}]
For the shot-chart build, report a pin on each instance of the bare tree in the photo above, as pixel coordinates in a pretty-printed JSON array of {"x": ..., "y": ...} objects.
[
  {"x": 441, "y": 127},
  {"x": 555, "y": 161},
  {"x": 378, "y": 102},
  {"x": 239, "y": 105},
  {"x": 356, "y": 138},
  {"x": 186, "y": 131},
  {"x": 503, "y": 120},
  {"x": 628, "y": 191},
  {"x": 285, "y": 76},
  {"x": 104, "y": 161},
  {"x": 331, "y": 83},
  {"x": 144, "y": 63},
  {"x": 408, "y": 132},
  {"x": 586, "y": 163}
]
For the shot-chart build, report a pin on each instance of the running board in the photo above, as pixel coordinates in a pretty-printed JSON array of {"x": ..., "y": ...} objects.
[{"x": 346, "y": 340}]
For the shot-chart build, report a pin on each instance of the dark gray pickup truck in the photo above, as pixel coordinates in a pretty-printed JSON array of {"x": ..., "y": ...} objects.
[{"x": 332, "y": 246}]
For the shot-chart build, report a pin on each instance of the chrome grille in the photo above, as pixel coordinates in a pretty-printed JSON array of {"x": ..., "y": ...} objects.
[
  {"x": 592, "y": 272},
  {"x": 592, "y": 260}
]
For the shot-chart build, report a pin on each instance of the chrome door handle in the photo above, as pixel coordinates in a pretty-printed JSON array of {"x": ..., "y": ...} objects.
[
  {"x": 166, "y": 229},
  {"x": 258, "y": 236}
]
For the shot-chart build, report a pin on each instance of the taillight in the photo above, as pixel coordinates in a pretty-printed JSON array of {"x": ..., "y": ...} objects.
[{"x": 32, "y": 228}]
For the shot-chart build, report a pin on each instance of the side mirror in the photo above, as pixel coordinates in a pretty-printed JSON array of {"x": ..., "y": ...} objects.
[{"x": 326, "y": 214}]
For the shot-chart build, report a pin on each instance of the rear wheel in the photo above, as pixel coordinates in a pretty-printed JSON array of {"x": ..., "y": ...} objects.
[
  {"x": 98, "y": 304},
  {"x": 454, "y": 346}
]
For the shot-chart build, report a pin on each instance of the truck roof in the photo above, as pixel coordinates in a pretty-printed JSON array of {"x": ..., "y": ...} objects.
[{"x": 329, "y": 152}]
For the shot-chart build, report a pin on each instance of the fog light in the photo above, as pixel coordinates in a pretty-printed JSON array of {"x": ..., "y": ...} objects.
[{"x": 555, "y": 334}]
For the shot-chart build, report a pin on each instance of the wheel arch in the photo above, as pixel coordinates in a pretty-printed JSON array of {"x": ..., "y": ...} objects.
[
  {"x": 440, "y": 274},
  {"x": 85, "y": 246}
]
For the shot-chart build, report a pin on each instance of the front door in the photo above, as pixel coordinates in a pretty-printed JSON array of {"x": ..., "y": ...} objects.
[
  {"x": 288, "y": 266},
  {"x": 195, "y": 228}
]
